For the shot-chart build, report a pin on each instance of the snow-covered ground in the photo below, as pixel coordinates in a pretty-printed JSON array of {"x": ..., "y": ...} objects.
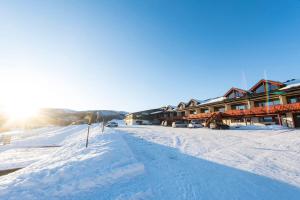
[{"x": 152, "y": 162}]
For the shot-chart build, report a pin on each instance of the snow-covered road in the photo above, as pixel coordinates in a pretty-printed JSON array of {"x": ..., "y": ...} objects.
[
  {"x": 153, "y": 162},
  {"x": 271, "y": 153}
]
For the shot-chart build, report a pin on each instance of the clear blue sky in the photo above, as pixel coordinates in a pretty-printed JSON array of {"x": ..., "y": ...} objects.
[{"x": 133, "y": 55}]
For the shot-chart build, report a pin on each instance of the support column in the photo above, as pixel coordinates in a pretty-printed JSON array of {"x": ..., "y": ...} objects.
[
  {"x": 279, "y": 119},
  {"x": 227, "y": 107},
  {"x": 250, "y": 104},
  {"x": 211, "y": 109},
  {"x": 283, "y": 99},
  {"x": 187, "y": 113}
]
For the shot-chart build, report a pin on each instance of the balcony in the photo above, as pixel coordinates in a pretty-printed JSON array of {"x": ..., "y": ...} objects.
[
  {"x": 277, "y": 109},
  {"x": 199, "y": 116},
  {"x": 269, "y": 110}
]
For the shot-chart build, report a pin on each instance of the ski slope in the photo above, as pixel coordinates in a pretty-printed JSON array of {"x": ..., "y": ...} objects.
[{"x": 151, "y": 162}]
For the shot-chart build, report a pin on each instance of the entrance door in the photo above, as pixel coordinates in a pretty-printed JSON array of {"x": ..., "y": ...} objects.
[{"x": 297, "y": 119}]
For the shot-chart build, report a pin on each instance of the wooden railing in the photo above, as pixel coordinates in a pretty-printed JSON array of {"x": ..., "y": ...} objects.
[
  {"x": 199, "y": 116},
  {"x": 277, "y": 109}
]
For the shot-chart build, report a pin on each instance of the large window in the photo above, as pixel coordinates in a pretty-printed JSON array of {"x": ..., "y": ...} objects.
[
  {"x": 260, "y": 89},
  {"x": 235, "y": 94},
  {"x": 204, "y": 110},
  {"x": 238, "y": 120},
  {"x": 271, "y": 87},
  {"x": 272, "y": 102},
  {"x": 269, "y": 119},
  {"x": 239, "y": 107},
  {"x": 219, "y": 109},
  {"x": 192, "y": 112},
  {"x": 294, "y": 99},
  {"x": 266, "y": 87}
]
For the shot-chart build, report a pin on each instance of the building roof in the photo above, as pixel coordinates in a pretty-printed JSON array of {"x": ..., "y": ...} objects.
[
  {"x": 194, "y": 100},
  {"x": 235, "y": 89},
  {"x": 277, "y": 83},
  {"x": 168, "y": 108},
  {"x": 212, "y": 100},
  {"x": 146, "y": 112},
  {"x": 291, "y": 84}
]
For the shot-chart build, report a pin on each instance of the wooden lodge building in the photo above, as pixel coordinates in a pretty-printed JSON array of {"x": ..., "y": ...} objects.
[{"x": 266, "y": 103}]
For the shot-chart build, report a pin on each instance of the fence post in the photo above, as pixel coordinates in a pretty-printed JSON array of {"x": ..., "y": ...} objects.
[{"x": 87, "y": 137}]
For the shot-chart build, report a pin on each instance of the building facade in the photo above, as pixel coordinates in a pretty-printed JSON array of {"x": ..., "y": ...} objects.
[{"x": 266, "y": 103}]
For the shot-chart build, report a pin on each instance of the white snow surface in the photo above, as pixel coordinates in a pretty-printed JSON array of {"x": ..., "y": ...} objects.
[{"x": 153, "y": 162}]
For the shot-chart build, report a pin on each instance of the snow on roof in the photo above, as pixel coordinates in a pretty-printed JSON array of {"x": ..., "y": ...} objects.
[
  {"x": 157, "y": 112},
  {"x": 169, "y": 106},
  {"x": 198, "y": 100},
  {"x": 291, "y": 83},
  {"x": 213, "y": 100}
]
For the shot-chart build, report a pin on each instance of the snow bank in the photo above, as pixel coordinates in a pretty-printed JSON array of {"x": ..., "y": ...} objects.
[
  {"x": 256, "y": 127},
  {"x": 74, "y": 169}
]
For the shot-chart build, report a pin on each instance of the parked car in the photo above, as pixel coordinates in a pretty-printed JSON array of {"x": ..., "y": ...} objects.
[
  {"x": 179, "y": 124},
  {"x": 219, "y": 126},
  {"x": 146, "y": 122},
  {"x": 195, "y": 124},
  {"x": 164, "y": 123},
  {"x": 112, "y": 124}
]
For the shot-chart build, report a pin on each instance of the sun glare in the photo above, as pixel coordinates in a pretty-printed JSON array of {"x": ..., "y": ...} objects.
[
  {"x": 20, "y": 113},
  {"x": 21, "y": 95}
]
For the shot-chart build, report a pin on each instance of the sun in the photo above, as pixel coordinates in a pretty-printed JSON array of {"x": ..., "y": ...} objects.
[
  {"x": 22, "y": 93},
  {"x": 20, "y": 112}
]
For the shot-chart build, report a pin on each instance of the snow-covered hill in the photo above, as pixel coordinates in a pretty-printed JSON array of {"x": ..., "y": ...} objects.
[
  {"x": 61, "y": 117},
  {"x": 151, "y": 162}
]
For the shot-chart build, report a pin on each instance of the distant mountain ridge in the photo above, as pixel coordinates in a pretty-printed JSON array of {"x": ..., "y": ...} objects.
[{"x": 62, "y": 117}]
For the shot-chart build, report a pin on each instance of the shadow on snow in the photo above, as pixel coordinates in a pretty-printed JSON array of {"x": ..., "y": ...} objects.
[{"x": 170, "y": 174}]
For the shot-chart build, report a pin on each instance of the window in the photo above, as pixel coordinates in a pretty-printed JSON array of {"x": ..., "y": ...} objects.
[
  {"x": 265, "y": 119},
  {"x": 266, "y": 87},
  {"x": 219, "y": 109},
  {"x": 235, "y": 94},
  {"x": 239, "y": 107},
  {"x": 260, "y": 89},
  {"x": 294, "y": 99},
  {"x": 237, "y": 120},
  {"x": 192, "y": 112},
  {"x": 204, "y": 110},
  {"x": 268, "y": 119},
  {"x": 271, "y": 87},
  {"x": 272, "y": 102}
]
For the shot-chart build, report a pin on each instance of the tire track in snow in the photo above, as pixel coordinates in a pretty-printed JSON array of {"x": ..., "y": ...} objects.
[{"x": 172, "y": 173}]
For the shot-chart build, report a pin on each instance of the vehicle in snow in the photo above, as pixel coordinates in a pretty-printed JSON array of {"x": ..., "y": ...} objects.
[
  {"x": 195, "y": 124},
  {"x": 220, "y": 126},
  {"x": 179, "y": 124},
  {"x": 146, "y": 122},
  {"x": 112, "y": 124},
  {"x": 164, "y": 123}
]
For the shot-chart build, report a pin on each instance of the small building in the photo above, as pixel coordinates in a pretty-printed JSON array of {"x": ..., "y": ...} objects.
[{"x": 145, "y": 117}]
